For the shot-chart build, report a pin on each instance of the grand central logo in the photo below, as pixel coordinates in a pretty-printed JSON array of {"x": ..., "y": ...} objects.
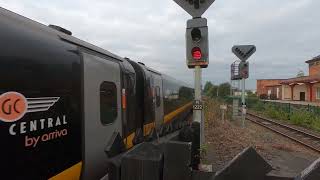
[{"x": 14, "y": 105}]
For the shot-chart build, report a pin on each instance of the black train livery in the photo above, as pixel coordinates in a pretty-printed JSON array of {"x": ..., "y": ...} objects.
[{"x": 64, "y": 103}]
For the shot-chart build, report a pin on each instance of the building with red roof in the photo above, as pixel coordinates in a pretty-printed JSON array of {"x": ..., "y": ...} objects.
[{"x": 304, "y": 88}]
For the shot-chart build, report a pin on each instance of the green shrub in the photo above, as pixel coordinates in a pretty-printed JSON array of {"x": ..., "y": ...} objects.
[
  {"x": 305, "y": 119},
  {"x": 274, "y": 112},
  {"x": 297, "y": 115},
  {"x": 273, "y": 97},
  {"x": 301, "y": 118},
  {"x": 259, "y": 106},
  {"x": 252, "y": 101},
  {"x": 263, "y": 96},
  {"x": 316, "y": 124}
]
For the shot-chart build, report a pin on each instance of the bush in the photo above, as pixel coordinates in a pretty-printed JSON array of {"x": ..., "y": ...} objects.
[
  {"x": 252, "y": 101},
  {"x": 275, "y": 113},
  {"x": 273, "y": 97},
  {"x": 259, "y": 106},
  {"x": 263, "y": 96},
  {"x": 297, "y": 116},
  {"x": 228, "y": 100},
  {"x": 316, "y": 124},
  {"x": 305, "y": 119}
]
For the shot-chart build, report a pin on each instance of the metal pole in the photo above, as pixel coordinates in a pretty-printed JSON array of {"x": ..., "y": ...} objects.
[
  {"x": 243, "y": 102},
  {"x": 218, "y": 91},
  {"x": 231, "y": 89},
  {"x": 222, "y": 115},
  {"x": 197, "y": 114}
]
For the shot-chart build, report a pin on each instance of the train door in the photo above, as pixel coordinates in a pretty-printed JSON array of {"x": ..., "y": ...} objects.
[
  {"x": 102, "y": 112},
  {"x": 158, "y": 100}
]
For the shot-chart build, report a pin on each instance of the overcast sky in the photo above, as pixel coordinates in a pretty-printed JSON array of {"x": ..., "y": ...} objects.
[{"x": 286, "y": 32}]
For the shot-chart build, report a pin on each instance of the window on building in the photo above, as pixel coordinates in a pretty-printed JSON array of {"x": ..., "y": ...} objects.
[
  {"x": 318, "y": 93},
  {"x": 108, "y": 103}
]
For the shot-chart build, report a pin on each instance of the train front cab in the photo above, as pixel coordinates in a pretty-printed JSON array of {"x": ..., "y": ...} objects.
[{"x": 96, "y": 94}]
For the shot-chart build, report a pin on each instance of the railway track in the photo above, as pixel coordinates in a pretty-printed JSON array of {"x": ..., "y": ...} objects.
[{"x": 305, "y": 138}]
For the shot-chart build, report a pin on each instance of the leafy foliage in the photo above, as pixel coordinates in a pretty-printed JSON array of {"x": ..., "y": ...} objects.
[
  {"x": 221, "y": 90},
  {"x": 298, "y": 116},
  {"x": 224, "y": 89},
  {"x": 263, "y": 96},
  {"x": 207, "y": 86},
  {"x": 273, "y": 97},
  {"x": 251, "y": 94},
  {"x": 300, "y": 73}
]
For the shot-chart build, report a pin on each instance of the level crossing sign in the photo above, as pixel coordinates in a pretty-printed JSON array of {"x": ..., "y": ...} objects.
[
  {"x": 243, "y": 52},
  {"x": 195, "y": 7}
]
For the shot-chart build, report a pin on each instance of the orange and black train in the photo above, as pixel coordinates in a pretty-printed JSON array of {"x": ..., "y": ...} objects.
[{"x": 65, "y": 102}]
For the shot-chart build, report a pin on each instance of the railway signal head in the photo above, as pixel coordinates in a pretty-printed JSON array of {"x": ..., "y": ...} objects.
[
  {"x": 244, "y": 70},
  {"x": 197, "y": 50}
]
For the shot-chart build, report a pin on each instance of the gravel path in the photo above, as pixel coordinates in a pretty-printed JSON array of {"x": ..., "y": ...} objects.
[{"x": 227, "y": 139}]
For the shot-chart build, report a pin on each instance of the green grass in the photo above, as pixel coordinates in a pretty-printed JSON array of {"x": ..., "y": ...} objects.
[
  {"x": 301, "y": 117},
  {"x": 305, "y": 119},
  {"x": 276, "y": 112}
]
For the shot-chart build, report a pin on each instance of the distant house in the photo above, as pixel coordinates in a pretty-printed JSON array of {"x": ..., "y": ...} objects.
[
  {"x": 304, "y": 88},
  {"x": 269, "y": 88},
  {"x": 239, "y": 93}
]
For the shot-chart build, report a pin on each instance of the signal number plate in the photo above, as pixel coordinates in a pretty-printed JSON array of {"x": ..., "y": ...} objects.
[{"x": 197, "y": 105}]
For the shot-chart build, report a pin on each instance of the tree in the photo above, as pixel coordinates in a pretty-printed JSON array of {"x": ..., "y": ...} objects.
[
  {"x": 213, "y": 91},
  {"x": 224, "y": 89},
  {"x": 221, "y": 90},
  {"x": 300, "y": 74},
  {"x": 250, "y": 93},
  {"x": 207, "y": 87}
]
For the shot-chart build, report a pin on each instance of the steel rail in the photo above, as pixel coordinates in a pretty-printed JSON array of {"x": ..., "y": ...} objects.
[
  {"x": 286, "y": 126},
  {"x": 293, "y": 130}
]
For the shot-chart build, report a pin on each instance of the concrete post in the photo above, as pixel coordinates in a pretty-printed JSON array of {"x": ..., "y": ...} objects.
[
  {"x": 197, "y": 114},
  {"x": 243, "y": 102}
]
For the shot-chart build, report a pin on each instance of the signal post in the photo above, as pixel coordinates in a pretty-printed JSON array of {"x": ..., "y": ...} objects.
[
  {"x": 197, "y": 51},
  {"x": 243, "y": 52}
]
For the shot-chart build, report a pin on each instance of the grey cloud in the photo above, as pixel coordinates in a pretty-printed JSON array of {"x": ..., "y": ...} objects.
[{"x": 285, "y": 32}]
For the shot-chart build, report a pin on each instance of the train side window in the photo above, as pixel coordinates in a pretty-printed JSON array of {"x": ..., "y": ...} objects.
[
  {"x": 158, "y": 99},
  {"x": 108, "y": 103}
]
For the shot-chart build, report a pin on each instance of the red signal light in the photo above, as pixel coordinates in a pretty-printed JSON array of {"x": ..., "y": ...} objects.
[{"x": 196, "y": 53}]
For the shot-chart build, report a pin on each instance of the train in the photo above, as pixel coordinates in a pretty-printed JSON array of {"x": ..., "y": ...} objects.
[{"x": 67, "y": 106}]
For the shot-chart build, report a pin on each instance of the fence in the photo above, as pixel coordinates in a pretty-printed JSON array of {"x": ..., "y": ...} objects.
[
  {"x": 290, "y": 108},
  {"x": 253, "y": 102},
  {"x": 250, "y": 101}
]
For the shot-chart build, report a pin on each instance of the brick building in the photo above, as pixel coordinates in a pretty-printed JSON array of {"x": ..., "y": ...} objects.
[
  {"x": 270, "y": 87},
  {"x": 305, "y": 88}
]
